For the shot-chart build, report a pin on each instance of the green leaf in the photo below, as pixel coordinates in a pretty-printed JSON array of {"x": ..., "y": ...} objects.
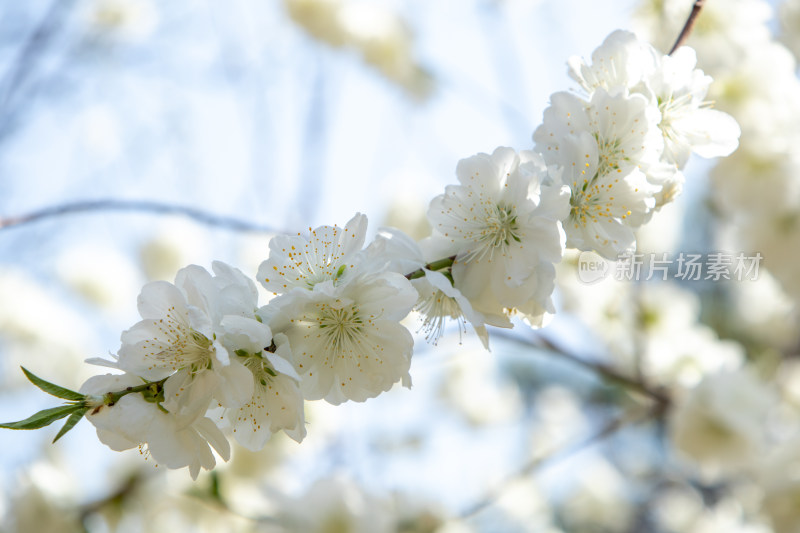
[
  {"x": 73, "y": 419},
  {"x": 52, "y": 389},
  {"x": 43, "y": 418}
]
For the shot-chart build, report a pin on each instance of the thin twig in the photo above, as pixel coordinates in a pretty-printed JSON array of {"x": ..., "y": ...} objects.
[
  {"x": 608, "y": 429},
  {"x": 689, "y": 26},
  {"x": 141, "y": 206},
  {"x": 603, "y": 371}
]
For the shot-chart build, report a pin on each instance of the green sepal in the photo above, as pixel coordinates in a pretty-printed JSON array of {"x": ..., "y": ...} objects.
[
  {"x": 154, "y": 393},
  {"x": 44, "y": 418},
  {"x": 51, "y": 388},
  {"x": 73, "y": 419}
]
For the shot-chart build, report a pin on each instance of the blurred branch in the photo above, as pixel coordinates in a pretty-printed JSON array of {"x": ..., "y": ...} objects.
[
  {"x": 608, "y": 429},
  {"x": 606, "y": 372},
  {"x": 688, "y": 27},
  {"x": 116, "y": 499},
  {"x": 29, "y": 53},
  {"x": 140, "y": 206}
]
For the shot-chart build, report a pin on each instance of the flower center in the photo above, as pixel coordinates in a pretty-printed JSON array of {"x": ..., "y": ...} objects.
[
  {"x": 610, "y": 154},
  {"x": 671, "y": 109},
  {"x": 184, "y": 346},
  {"x": 261, "y": 368},
  {"x": 500, "y": 227},
  {"x": 343, "y": 327},
  {"x": 436, "y": 309}
]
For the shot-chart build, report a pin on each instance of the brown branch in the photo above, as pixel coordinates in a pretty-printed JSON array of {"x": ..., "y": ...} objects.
[
  {"x": 689, "y": 26},
  {"x": 141, "y": 206},
  {"x": 603, "y": 371}
]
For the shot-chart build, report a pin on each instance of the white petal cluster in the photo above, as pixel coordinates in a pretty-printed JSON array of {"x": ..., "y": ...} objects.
[
  {"x": 671, "y": 82},
  {"x": 622, "y": 145},
  {"x": 340, "y": 312},
  {"x": 202, "y": 348},
  {"x": 207, "y": 362},
  {"x": 176, "y": 441},
  {"x": 501, "y": 225},
  {"x": 756, "y": 81},
  {"x": 720, "y": 424}
]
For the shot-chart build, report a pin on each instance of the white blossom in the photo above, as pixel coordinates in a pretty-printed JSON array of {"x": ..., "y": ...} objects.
[
  {"x": 719, "y": 425},
  {"x": 328, "y": 254},
  {"x": 673, "y": 85},
  {"x": 276, "y": 404},
  {"x": 604, "y": 148},
  {"x": 502, "y": 225},
  {"x": 176, "y": 441},
  {"x": 342, "y": 320},
  {"x": 620, "y": 63},
  {"x": 188, "y": 333},
  {"x": 687, "y": 123},
  {"x": 606, "y": 204}
]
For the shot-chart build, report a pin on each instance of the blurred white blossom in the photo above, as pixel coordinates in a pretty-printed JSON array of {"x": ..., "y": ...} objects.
[{"x": 719, "y": 425}]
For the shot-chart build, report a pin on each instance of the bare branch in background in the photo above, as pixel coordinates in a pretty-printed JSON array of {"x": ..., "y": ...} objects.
[
  {"x": 28, "y": 55},
  {"x": 603, "y": 371},
  {"x": 140, "y": 206}
]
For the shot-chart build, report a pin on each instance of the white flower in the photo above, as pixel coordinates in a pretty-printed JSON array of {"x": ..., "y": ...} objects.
[
  {"x": 276, "y": 404},
  {"x": 438, "y": 298},
  {"x": 347, "y": 341},
  {"x": 676, "y": 88},
  {"x": 606, "y": 203},
  {"x": 501, "y": 224},
  {"x": 624, "y": 126},
  {"x": 687, "y": 123},
  {"x": 621, "y": 62},
  {"x": 172, "y": 440},
  {"x": 341, "y": 319},
  {"x": 604, "y": 148},
  {"x": 328, "y": 254},
  {"x": 188, "y": 333}
]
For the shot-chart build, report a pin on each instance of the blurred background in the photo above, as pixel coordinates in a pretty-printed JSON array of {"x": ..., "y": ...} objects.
[{"x": 137, "y": 137}]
